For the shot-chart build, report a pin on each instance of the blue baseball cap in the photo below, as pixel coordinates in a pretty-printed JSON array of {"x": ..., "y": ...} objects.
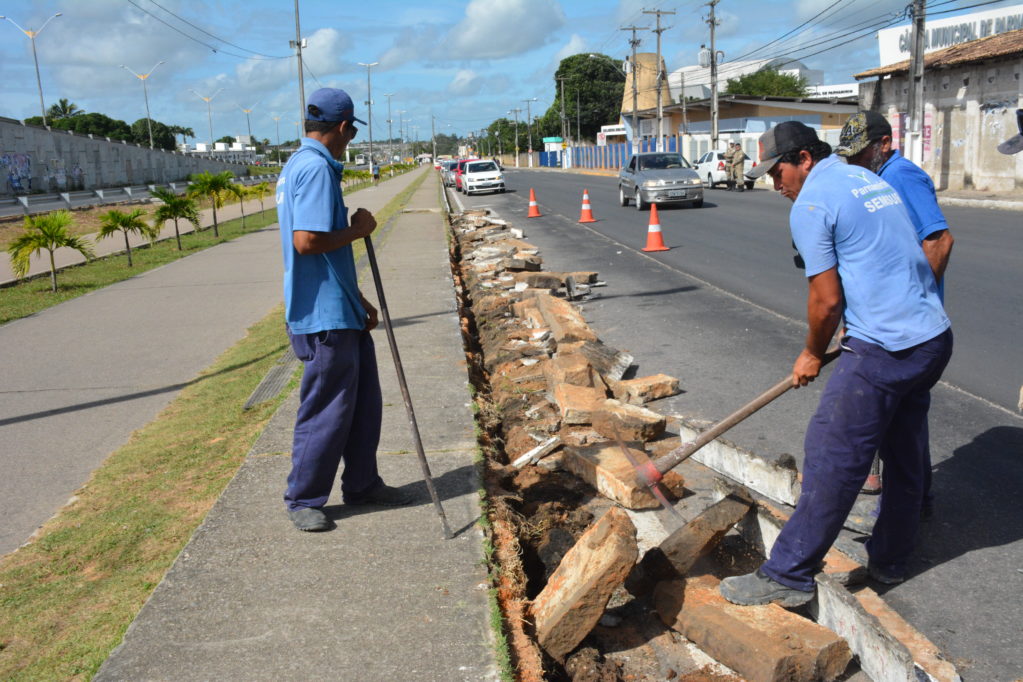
[{"x": 331, "y": 105}]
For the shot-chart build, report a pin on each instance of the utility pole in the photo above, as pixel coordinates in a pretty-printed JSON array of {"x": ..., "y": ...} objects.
[
  {"x": 578, "y": 118},
  {"x": 660, "y": 76},
  {"x": 634, "y": 43},
  {"x": 433, "y": 135},
  {"x": 529, "y": 129},
  {"x": 390, "y": 139},
  {"x": 916, "y": 86},
  {"x": 277, "y": 122},
  {"x": 516, "y": 112},
  {"x": 298, "y": 44},
  {"x": 369, "y": 104},
  {"x": 712, "y": 22}
]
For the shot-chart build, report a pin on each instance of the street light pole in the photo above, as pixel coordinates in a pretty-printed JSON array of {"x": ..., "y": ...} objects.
[
  {"x": 516, "y": 112},
  {"x": 390, "y": 137},
  {"x": 248, "y": 122},
  {"x": 145, "y": 93},
  {"x": 209, "y": 109},
  {"x": 277, "y": 122},
  {"x": 529, "y": 129},
  {"x": 32, "y": 38},
  {"x": 369, "y": 104},
  {"x": 401, "y": 135}
]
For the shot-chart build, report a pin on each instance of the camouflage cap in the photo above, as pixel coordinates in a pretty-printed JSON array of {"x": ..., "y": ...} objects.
[{"x": 860, "y": 130}]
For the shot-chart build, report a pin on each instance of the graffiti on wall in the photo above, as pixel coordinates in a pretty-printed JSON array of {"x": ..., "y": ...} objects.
[{"x": 17, "y": 169}]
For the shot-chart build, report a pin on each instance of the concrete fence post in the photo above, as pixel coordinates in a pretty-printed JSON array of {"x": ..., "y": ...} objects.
[{"x": 66, "y": 196}]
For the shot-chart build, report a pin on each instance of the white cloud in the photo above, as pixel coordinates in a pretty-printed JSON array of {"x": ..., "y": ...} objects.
[
  {"x": 575, "y": 45},
  {"x": 501, "y": 28},
  {"x": 465, "y": 82}
]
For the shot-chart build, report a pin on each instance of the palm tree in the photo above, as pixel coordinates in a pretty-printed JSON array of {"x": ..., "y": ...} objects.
[
  {"x": 240, "y": 192},
  {"x": 64, "y": 109},
  {"x": 174, "y": 207},
  {"x": 118, "y": 221},
  {"x": 211, "y": 186},
  {"x": 261, "y": 191},
  {"x": 45, "y": 232}
]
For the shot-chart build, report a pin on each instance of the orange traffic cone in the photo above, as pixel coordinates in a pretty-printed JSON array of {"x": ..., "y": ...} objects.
[
  {"x": 586, "y": 215},
  {"x": 654, "y": 240},
  {"x": 534, "y": 210}
]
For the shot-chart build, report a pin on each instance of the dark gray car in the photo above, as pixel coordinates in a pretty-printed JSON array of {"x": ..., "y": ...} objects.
[{"x": 659, "y": 178}]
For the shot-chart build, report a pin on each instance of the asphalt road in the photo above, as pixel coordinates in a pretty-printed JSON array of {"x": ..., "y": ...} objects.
[{"x": 724, "y": 310}]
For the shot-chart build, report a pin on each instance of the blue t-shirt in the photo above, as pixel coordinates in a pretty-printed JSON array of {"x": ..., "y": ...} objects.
[
  {"x": 848, "y": 217},
  {"x": 321, "y": 291},
  {"x": 917, "y": 192}
]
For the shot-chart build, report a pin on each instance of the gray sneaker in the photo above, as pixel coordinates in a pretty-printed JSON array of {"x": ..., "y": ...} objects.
[
  {"x": 309, "y": 519},
  {"x": 383, "y": 494},
  {"x": 758, "y": 588}
]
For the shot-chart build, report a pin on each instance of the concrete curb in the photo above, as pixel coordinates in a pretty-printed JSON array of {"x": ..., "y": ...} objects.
[{"x": 996, "y": 204}]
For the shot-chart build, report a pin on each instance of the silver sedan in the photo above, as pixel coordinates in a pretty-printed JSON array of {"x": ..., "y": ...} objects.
[{"x": 659, "y": 178}]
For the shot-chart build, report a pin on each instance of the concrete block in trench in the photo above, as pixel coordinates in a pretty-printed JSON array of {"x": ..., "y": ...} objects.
[
  {"x": 577, "y": 592},
  {"x": 604, "y": 467},
  {"x": 564, "y": 319},
  {"x": 642, "y": 390},
  {"x": 761, "y": 643},
  {"x": 578, "y": 403},
  {"x": 616, "y": 419},
  {"x": 571, "y": 368}
]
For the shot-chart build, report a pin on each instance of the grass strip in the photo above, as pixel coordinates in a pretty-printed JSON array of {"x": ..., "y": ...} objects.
[
  {"x": 33, "y": 295},
  {"x": 67, "y": 598}
]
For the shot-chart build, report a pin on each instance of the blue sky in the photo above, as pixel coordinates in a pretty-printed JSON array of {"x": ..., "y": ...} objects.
[{"x": 466, "y": 63}]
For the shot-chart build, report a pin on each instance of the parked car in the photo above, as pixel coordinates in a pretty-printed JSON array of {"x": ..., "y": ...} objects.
[
  {"x": 711, "y": 167},
  {"x": 459, "y": 170},
  {"x": 447, "y": 172},
  {"x": 659, "y": 178},
  {"x": 482, "y": 176}
]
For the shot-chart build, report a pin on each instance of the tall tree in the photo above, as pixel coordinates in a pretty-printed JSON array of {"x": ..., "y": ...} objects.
[
  {"x": 212, "y": 186},
  {"x": 47, "y": 232},
  {"x": 114, "y": 221},
  {"x": 174, "y": 207},
  {"x": 767, "y": 82},
  {"x": 63, "y": 109},
  {"x": 163, "y": 135},
  {"x": 594, "y": 84}
]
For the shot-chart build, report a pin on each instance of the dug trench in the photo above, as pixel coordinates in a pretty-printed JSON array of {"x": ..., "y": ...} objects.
[{"x": 590, "y": 584}]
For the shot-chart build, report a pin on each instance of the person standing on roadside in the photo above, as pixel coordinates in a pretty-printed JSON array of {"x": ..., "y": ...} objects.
[
  {"x": 865, "y": 272},
  {"x": 866, "y": 141},
  {"x": 738, "y": 166},
  {"x": 729, "y": 155},
  {"x": 329, "y": 323}
]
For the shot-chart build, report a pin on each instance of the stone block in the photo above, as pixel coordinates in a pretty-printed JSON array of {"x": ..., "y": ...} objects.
[
  {"x": 761, "y": 643},
  {"x": 612, "y": 364},
  {"x": 616, "y": 419},
  {"x": 571, "y": 368},
  {"x": 564, "y": 320},
  {"x": 531, "y": 263},
  {"x": 642, "y": 390},
  {"x": 603, "y": 466},
  {"x": 577, "y": 403},
  {"x": 576, "y": 594},
  {"x": 539, "y": 280},
  {"x": 677, "y": 553}
]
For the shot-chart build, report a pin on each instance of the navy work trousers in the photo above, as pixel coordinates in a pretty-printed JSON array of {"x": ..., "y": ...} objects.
[
  {"x": 875, "y": 401},
  {"x": 338, "y": 418}
]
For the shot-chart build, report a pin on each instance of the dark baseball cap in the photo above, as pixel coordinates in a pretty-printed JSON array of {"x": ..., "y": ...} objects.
[
  {"x": 330, "y": 105},
  {"x": 860, "y": 130},
  {"x": 783, "y": 138}
]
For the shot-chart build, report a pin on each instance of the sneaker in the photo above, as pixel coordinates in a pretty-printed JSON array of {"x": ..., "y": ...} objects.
[
  {"x": 759, "y": 588},
  {"x": 884, "y": 576},
  {"x": 309, "y": 519},
  {"x": 383, "y": 494}
]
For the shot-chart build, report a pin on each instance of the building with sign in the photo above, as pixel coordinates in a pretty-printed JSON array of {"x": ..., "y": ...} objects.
[
  {"x": 894, "y": 44},
  {"x": 971, "y": 93}
]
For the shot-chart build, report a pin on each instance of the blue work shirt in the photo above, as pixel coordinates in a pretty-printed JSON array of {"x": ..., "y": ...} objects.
[
  {"x": 321, "y": 291},
  {"x": 846, "y": 216},
  {"x": 917, "y": 192}
]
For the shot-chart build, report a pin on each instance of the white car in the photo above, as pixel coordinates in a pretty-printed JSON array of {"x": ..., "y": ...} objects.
[
  {"x": 711, "y": 167},
  {"x": 482, "y": 176}
]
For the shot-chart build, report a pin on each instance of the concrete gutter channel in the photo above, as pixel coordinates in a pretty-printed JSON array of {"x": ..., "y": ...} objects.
[{"x": 534, "y": 342}]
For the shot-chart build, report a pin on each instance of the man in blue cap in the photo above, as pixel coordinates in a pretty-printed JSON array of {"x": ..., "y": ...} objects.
[
  {"x": 328, "y": 323},
  {"x": 867, "y": 273}
]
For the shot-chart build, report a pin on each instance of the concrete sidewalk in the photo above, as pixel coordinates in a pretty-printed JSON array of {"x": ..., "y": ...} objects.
[
  {"x": 81, "y": 376},
  {"x": 382, "y": 596}
]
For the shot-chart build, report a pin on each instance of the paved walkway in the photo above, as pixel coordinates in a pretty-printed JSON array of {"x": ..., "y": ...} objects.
[
  {"x": 382, "y": 596},
  {"x": 80, "y": 377}
]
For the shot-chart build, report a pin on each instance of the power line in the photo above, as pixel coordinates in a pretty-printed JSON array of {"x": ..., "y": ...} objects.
[
  {"x": 214, "y": 48},
  {"x": 199, "y": 28}
]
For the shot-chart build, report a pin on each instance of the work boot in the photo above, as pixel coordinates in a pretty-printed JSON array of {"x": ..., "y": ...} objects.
[
  {"x": 884, "y": 576},
  {"x": 309, "y": 519},
  {"x": 759, "y": 588},
  {"x": 383, "y": 495}
]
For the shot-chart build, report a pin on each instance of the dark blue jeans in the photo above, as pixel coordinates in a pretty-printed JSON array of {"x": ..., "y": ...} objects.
[
  {"x": 875, "y": 401},
  {"x": 338, "y": 418}
]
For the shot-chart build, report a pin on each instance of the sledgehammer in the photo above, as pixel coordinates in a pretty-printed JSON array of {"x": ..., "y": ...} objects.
[{"x": 650, "y": 472}]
